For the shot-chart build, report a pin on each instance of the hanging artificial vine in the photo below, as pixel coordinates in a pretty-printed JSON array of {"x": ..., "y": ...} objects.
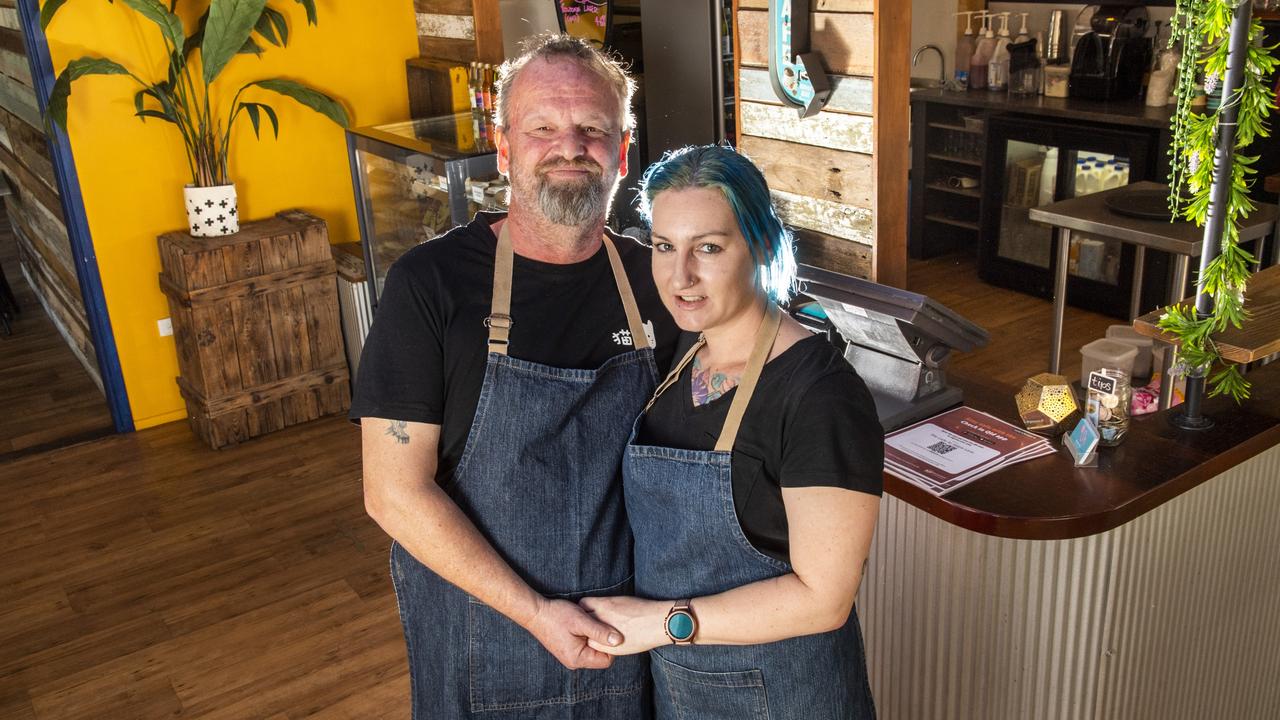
[{"x": 1202, "y": 28}]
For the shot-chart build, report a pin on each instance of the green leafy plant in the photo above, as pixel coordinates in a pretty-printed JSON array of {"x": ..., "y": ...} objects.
[
  {"x": 184, "y": 96},
  {"x": 1202, "y": 28}
]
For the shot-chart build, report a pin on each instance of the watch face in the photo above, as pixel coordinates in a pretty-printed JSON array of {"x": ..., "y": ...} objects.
[{"x": 680, "y": 625}]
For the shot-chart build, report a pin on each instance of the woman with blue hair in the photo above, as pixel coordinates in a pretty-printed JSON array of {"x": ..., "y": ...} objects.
[{"x": 752, "y": 481}]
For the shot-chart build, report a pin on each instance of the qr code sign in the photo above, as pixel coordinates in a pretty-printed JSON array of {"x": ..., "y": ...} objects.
[{"x": 942, "y": 448}]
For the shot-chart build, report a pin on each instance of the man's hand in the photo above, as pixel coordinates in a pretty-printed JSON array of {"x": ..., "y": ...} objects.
[
  {"x": 640, "y": 621},
  {"x": 565, "y": 629}
]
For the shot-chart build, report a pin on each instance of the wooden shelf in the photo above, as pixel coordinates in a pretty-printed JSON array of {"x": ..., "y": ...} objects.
[
  {"x": 1256, "y": 339},
  {"x": 956, "y": 128},
  {"x": 940, "y": 187},
  {"x": 953, "y": 222},
  {"x": 954, "y": 159}
]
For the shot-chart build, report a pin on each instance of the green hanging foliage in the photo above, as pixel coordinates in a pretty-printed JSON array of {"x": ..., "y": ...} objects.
[{"x": 1201, "y": 28}]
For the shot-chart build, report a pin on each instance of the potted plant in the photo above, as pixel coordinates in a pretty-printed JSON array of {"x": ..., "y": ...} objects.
[
  {"x": 1221, "y": 43},
  {"x": 186, "y": 96}
]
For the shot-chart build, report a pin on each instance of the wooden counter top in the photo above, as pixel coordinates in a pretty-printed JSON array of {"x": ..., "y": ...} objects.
[
  {"x": 1050, "y": 499},
  {"x": 1127, "y": 112}
]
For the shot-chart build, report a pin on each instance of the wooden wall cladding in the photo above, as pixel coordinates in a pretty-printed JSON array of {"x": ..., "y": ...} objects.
[
  {"x": 821, "y": 169},
  {"x": 459, "y": 30},
  {"x": 255, "y": 320},
  {"x": 35, "y": 208}
]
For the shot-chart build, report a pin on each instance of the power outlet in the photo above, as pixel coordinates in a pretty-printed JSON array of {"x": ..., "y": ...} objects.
[{"x": 165, "y": 326}]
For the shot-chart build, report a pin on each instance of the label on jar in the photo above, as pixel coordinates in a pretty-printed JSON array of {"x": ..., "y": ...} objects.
[{"x": 1102, "y": 384}]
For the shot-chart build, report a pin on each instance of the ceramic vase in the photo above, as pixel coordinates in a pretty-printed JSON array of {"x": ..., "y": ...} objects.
[{"x": 211, "y": 211}]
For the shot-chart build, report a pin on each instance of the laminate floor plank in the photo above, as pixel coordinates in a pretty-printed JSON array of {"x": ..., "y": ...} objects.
[
  {"x": 149, "y": 576},
  {"x": 1019, "y": 324}
]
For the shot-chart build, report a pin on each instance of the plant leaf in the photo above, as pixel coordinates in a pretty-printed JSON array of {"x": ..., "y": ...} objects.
[
  {"x": 156, "y": 12},
  {"x": 229, "y": 25},
  {"x": 197, "y": 36},
  {"x": 250, "y": 47},
  {"x": 144, "y": 114},
  {"x": 279, "y": 23},
  {"x": 46, "y": 12},
  {"x": 273, "y": 27},
  {"x": 309, "y": 97},
  {"x": 271, "y": 115},
  {"x": 254, "y": 117},
  {"x": 76, "y": 69},
  {"x": 310, "y": 5}
]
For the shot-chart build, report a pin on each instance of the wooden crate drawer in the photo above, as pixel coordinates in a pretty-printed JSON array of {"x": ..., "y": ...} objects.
[{"x": 255, "y": 320}]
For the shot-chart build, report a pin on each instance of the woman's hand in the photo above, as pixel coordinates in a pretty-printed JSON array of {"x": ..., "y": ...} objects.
[{"x": 640, "y": 621}]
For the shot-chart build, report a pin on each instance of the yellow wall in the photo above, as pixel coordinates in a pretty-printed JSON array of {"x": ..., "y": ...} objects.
[{"x": 132, "y": 173}]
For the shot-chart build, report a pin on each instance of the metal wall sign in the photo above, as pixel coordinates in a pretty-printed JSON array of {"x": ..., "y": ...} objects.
[{"x": 794, "y": 70}]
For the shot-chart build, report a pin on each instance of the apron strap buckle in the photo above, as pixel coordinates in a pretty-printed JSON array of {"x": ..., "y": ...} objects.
[{"x": 498, "y": 320}]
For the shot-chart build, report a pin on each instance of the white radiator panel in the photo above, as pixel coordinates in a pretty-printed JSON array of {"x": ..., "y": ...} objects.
[
  {"x": 1173, "y": 615},
  {"x": 357, "y": 316}
]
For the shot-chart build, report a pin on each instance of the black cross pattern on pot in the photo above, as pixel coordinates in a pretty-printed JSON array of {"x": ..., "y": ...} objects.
[
  {"x": 209, "y": 222},
  {"x": 208, "y": 203},
  {"x": 232, "y": 210},
  {"x": 199, "y": 209},
  {"x": 224, "y": 230},
  {"x": 221, "y": 218},
  {"x": 223, "y": 203},
  {"x": 195, "y": 228}
]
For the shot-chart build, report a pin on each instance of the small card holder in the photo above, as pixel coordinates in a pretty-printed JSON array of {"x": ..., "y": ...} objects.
[{"x": 1082, "y": 443}]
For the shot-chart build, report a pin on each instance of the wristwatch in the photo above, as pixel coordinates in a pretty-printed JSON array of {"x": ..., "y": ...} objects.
[{"x": 681, "y": 626}]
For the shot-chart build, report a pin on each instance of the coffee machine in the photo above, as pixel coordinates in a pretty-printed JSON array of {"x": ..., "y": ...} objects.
[{"x": 1110, "y": 61}]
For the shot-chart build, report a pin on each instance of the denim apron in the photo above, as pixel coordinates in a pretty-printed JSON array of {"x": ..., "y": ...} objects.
[
  {"x": 539, "y": 478},
  {"x": 689, "y": 544}
]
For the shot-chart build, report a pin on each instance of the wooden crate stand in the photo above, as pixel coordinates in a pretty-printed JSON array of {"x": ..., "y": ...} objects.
[{"x": 255, "y": 320}]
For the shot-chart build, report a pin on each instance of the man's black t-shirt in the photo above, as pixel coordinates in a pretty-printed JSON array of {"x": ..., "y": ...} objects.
[
  {"x": 811, "y": 422},
  {"x": 424, "y": 358}
]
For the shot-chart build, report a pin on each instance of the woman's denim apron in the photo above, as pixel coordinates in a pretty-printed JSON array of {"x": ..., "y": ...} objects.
[
  {"x": 539, "y": 478},
  {"x": 689, "y": 544}
]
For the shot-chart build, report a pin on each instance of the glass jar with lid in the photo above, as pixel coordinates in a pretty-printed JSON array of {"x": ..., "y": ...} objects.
[{"x": 1108, "y": 397}]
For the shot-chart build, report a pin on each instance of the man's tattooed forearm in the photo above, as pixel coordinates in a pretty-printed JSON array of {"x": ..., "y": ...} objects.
[{"x": 396, "y": 429}]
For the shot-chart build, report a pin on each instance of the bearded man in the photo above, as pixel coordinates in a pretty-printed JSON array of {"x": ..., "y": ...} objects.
[{"x": 499, "y": 382}]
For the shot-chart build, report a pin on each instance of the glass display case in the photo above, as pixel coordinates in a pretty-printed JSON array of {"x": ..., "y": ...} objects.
[{"x": 415, "y": 180}]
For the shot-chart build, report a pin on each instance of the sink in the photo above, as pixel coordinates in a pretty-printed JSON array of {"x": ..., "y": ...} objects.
[{"x": 924, "y": 84}]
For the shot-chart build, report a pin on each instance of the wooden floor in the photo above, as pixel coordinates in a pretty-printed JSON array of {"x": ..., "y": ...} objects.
[
  {"x": 145, "y": 576},
  {"x": 46, "y": 397},
  {"x": 1020, "y": 325}
]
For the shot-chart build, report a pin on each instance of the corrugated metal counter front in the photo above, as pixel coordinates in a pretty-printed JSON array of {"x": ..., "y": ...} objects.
[{"x": 1148, "y": 587}]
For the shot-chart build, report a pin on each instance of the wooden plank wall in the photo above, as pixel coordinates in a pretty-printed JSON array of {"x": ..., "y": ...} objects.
[
  {"x": 834, "y": 175},
  {"x": 459, "y": 30},
  {"x": 34, "y": 208}
]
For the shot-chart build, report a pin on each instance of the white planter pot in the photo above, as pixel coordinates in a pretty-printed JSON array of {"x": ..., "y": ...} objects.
[{"x": 211, "y": 211}]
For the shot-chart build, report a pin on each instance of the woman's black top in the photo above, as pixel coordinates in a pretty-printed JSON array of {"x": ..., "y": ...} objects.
[{"x": 811, "y": 422}]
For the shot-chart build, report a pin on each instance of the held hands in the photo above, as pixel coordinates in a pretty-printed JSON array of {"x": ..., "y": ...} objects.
[
  {"x": 640, "y": 621},
  {"x": 573, "y": 636}
]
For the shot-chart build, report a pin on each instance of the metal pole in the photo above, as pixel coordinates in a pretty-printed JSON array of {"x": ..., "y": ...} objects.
[{"x": 1223, "y": 157}]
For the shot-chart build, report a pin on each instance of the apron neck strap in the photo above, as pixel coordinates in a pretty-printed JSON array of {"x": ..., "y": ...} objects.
[
  {"x": 765, "y": 336},
  {"x": 499, "y": 319}
]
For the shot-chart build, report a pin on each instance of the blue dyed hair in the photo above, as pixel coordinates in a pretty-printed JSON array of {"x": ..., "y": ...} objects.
[{"x": 744, "y": 188}]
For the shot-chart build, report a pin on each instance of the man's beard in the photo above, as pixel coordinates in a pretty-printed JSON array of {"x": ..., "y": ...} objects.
[{"x": 573, "y": 203}]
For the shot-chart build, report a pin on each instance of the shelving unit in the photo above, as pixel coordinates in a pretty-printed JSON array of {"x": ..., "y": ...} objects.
[{"x": 944, "y": 147}]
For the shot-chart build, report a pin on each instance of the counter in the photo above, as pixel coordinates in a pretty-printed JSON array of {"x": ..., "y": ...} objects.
[
  {"x": 1126, "y": 112},
  {"x": 1147, "y": 587}
]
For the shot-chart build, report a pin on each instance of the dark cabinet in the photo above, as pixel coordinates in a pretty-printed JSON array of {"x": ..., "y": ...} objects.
[{"x": 981, "y": 161}]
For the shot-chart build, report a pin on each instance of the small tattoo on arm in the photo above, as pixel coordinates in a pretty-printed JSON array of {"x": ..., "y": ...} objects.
[{"x": 396, "y": 429}]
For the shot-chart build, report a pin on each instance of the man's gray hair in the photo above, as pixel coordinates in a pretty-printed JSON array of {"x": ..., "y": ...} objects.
[{"x": 562, "y": 46}]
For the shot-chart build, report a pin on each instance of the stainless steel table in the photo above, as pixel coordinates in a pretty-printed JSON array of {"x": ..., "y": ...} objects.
[{"x": 1184, "y": 240}]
